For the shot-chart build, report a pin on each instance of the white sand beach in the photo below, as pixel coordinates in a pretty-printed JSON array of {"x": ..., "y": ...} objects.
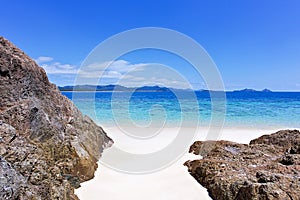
[{"x": 171, "y": 183}]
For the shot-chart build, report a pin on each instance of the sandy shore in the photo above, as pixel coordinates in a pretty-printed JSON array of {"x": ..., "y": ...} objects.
[{"x": 172, "y": 183}]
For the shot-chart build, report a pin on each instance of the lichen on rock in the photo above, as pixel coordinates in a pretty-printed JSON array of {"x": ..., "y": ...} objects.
[{"x": 47, "y": 146}]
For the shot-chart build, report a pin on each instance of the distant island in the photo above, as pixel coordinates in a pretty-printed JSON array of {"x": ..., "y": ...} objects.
[
  {"x": 120, "y": 88},
  {"x": 252, "y": 90}
]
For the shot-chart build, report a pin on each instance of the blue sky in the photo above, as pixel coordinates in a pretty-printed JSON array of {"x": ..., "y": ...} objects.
[{"x": 255, "y": 44}]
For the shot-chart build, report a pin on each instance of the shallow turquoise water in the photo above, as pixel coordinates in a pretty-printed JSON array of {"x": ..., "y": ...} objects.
[{"x": 245, "y": 109}]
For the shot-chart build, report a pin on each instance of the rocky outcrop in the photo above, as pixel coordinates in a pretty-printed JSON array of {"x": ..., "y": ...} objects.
[
  {"x": 47, "y": 147},
  {"x": 268, "y": 168}
]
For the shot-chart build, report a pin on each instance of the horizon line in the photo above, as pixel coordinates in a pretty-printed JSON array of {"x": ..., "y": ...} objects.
[{"x": 195, "y": 90}]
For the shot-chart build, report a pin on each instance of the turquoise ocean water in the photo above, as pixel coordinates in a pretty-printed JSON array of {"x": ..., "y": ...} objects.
[{"x": 243, "y": 109}]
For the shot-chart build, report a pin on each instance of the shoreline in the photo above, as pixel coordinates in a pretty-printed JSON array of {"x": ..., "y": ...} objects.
[
  {"x": 173, "y": 182},
  {"x": 226, "y": 127},
  {"x": 176, "y": 124}
]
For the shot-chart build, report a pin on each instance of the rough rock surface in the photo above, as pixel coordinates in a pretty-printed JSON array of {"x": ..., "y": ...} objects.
[
  {"x": 268, "y": 168},
  {"x": 47, "y": 147}
]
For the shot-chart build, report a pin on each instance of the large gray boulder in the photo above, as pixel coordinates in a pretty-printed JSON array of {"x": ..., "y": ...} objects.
[
  {"x": 266, "y": 169},
  {"x": 47, "y": 146}
]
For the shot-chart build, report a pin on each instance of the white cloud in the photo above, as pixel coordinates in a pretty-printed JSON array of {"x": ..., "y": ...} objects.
[
  {"x": 154, "y": 74},
  {"x": 110, "y": 69},
  {"x": 159, "y": 81},
  {"x": 43, "y": 59},
  {"x": 58, "y": 68},
  {"x": 52, "y": 67},
  {"x": 117, "y": 72}
]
